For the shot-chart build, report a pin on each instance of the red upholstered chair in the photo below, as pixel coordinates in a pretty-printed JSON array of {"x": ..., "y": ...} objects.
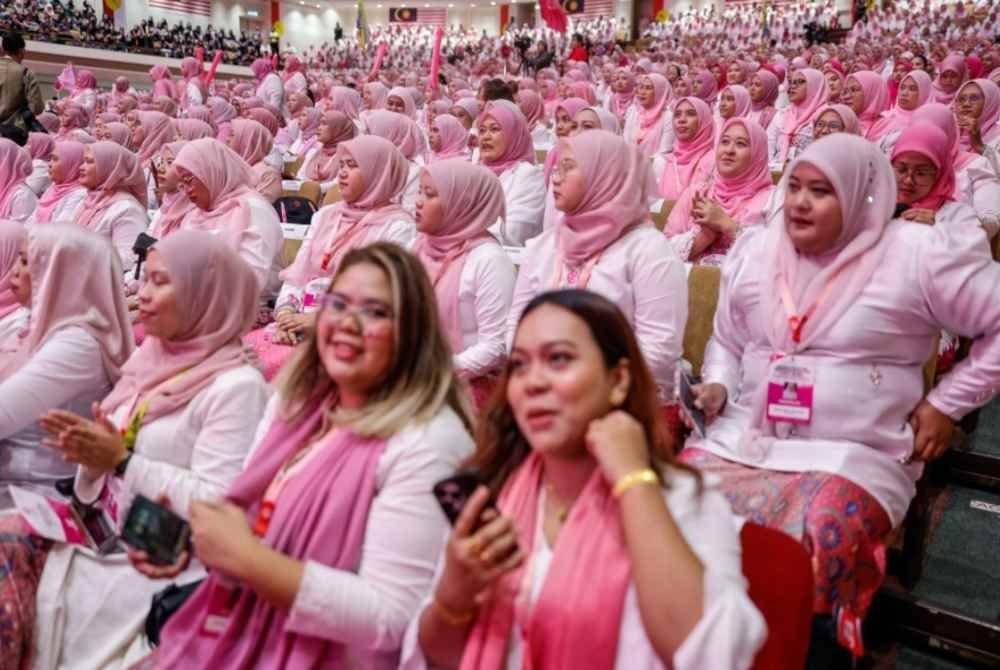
[{"x": 781, "y": 586}]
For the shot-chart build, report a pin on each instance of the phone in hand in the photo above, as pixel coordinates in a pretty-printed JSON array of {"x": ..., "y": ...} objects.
[
  {"x": 156, "y": 530},
  {"x": 454, "y": 492},
  {"x": 696, "y": 415}
]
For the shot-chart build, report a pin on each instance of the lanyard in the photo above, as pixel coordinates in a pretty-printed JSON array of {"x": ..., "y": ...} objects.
[
  {"x": 292, "y": 467},
  {"x": 130, "y": 433},
  {"x": 577, "y": 277},
  {"x": 797, "y": 320}
]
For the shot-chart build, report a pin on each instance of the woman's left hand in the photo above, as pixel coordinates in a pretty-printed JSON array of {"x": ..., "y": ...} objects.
[
  {"x": 93, "y": 444},
  {"x": 618, "y": 442},
  {"x": 221, "y": 536},
  {"x": 932, "y": 431},
  {"x": 708, "y": 213},
  {"x": 925, "y": 216}
]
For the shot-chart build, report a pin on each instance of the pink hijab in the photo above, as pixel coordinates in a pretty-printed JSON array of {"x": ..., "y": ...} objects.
[
  {"x": 174, "y": 207},
  {"x": 532, "y": 107},
  {"x": 307, "y": 129},
  {"x": 40, "y": 146},
  {"x": 687, "y": 155},
  {"x": 325, "y": 164},
  {"x": 12, "y": 234},
  {"x": 409, "y": 105},
  {"x": 119, "y": 133},
  {"x": 617, "y": 198},
  {"x": 253, "y": 141},
  {"x": 261, "y": 68},
  {"x": 989, "y": 128},
  {"x": 264, "y": 118},
  {"x": 163, "y": 83},
  {"x": 876, "y": 95},
  {"x": 398, "y": 129},
  {"x": 471, "y": 107},
  {"x": 582, "y": 89},
  {"x": 706, "y": 86},
  {"x": 229, "y": 182},
  {"x": 651, "y": 120},
  {"x": 217, "y": 297},
  {"x": 931, "y": 142},
  {"x": 620, "y": 102},
  {"x": 378, "y": 93},
  {"x": 345, "y": 225},
  {"x": 898, "y": 118},
  {"x": 15, "y": 167},
  {"x": 63, "y": 297},
  {"x": 347, "y": 101},
  {"x": 202, "y": 113},
  {"x": 847, "y": 117},
  {"x": 159, "y": 130},
  {"x": 802, "y": 115},
  {"x": 192, "y": 129},
  {"x": 515, "y": 131},
  {"x": 71, "y": 160},
  {"x": 953, "y": 63},
  {"x": 119, "y": 176},
  {"x": 454, "y": 138},
  {"x": 742, "y": 98},
  {"x": 733, "y": 191},
  {"x": 473, "y": 200},
  {"x": 943, "y": 118}
]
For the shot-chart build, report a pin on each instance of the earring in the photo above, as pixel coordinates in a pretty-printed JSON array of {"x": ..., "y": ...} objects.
[{"x": 617, "y": 398}]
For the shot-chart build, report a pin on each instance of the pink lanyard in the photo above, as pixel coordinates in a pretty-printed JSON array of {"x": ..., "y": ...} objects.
[
  {"x": 796, "y": 320},
  {"x": 577, "y": 277}
]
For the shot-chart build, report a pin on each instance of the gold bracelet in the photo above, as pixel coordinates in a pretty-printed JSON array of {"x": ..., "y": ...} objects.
[
  {"x": 633, "y": 479},
  {"x": 451, "y": 617}
]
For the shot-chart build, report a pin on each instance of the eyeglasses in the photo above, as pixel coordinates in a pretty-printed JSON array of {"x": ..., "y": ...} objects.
[
  {"x": 969, "y": 99},
  {"x": 921, "y": 175},
  {"x": 796, "y": 82},
  {"x": 367, "y": 315},
  {"x": 832, "y": 127}
]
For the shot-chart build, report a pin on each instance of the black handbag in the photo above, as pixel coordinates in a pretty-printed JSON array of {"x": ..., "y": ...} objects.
[
  {"x": 295, "y": 209},
  {"x": 164, "y": 605}
]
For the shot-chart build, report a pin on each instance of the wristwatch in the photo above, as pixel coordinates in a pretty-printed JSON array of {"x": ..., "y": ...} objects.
[{"x": 123, "y": 465}]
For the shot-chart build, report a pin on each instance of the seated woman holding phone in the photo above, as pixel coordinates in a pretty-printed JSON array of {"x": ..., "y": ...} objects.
[
  {"x": 176, "y": 426},
  {"x": 600, "y": 551},
  {"x": 325, "y": 546}
]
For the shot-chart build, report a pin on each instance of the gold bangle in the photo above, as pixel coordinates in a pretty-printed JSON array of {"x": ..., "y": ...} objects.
[
  {"x": 633, "y": 479},
  {"x": 451, "y": 617}
]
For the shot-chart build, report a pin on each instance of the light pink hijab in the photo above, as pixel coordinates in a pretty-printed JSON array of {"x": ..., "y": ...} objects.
[
  {"x": 617, "y": 198},
  {"x": 398, "y": 129},
  {"x": 159, "y": 130},
  {"x": 230, "y": 184},
  {"x": 324, "y": 163},
  {"x": 253, "y": 141},
  {"x": 119, "y": 176},
  {"x": 651, "y": 120},
  {"x": 174, "y": 207},
  {"x": 454, "y": 138},
  {"x": 515, "y": 131},
  {"x": 308, "y": 128},
  {"x": 989, "y": 128},
  {"x": 378, "y": 93},
  {"x": 15, "y": 167},
  {"x": 952, "y": 63},
  {"x": 264, "y": 118},
  {"x": 473, "y": 200},
  {"x": 192, "y": 129},
  {"x": 532, "y": 107},
  {"x": 705, "y": 86},
  {"x": 163, "y": 83},
  {"x": 847, "y": 117},
  {"x": 40, "y": 146},
  {"x": 12, "y": 234},
  {"x": 119, "y": 133},
  {"x": 217, "y": 297},
  {"x": 742, "y": 98},
  {"x": 928, "y": 140},
  {"x": 687, "y": 156},
  {"x": 941, "y": 115},
  {"x": 876, "y": 95},
  {"x": 70, "y": 160},
  {"x": 898, "y": 118},
  {"x": 345, "y": 225},
  {"x": 62, "y": 296},
  {"x": 802, "y": 115},
  {"x": 409, "y": 105},
  {"x": 347, "y": 101}
]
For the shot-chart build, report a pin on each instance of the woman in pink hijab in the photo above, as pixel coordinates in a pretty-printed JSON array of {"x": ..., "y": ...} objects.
[
  {"x": 448, "y": 139},
  {"x": 807, "y": 94},
  {"x": 119, "y": 133},
  {"x": 838, "y": 264},
  {"x": 13, "y": 315},
  {"x": 866, "y": 94},
  {"x": 163, "y": 82},
  {"x": 270, "y": 88},
  {"x": 166, "y": 105},
  {"x": 116, "y": 201},
  {"x": 150, "y": 131},
  {"x": 763, "y": 89},
  {"x": 374, "y": 95},
  {"x": 650, "y": 126},
  {"x": 294, "y": 76},
  {"x": 49, "y": 121},
  {"x": 78, "y": 338},
  {"x": 605, "y": 242},
  {"x": 705, "y": 86},
  {"x": 623, "y": 94},
  {"x": 346, "y": 101},
  {"x": 174, "y": 203},
  {"x": 85, "y": 92},
  {"x": 372, "y": 176},
  {"x": 321, "y": 163},
  {"x": 193, "y": 88},
  {"x": 835, "y": 119},
  {"x": 60, "y": 201},
  {"x": 222, "y": 114},
  {"x": 39, "y": 148},
  {"x": 582, "y": 89},
  {"x": 221, "y": 185},
  {"x": 253, "y": 143},
  {"x": 692, "y": 158},
  {"x": 192, "y": 129},
  {"x": 505, "y": 147},
  {"x": 472, "y": 275},
  {"x": 952, "y": 73},
  {"x": 977, "y": 108},
  {"x": 400, "y": 100},
  {"x": 264, "y": 118},
  {"x": 308, "y": 124},
  {"x": 709, "y": 216},
  {"x": 17, "y": 200},
  {"x": 533, "y": 108},
  {"x": 202, "y": 113},
  {"x": 466, "y": 110},
  {"x": 734, "y": 102},
  {"x": 913, "y": 92},
  {"x": 73, "y": 122}
]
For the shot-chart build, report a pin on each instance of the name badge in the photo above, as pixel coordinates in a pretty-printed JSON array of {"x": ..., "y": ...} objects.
[
  {"x": 790, "y": 391},
  {"x": 221, "y": 602}
]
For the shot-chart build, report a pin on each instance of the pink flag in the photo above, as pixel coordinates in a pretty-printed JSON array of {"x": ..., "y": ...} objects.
[
  {"x": 436, "y": 59},
  {"x": 383, "y": 48},
  {"x": 67, "y": 79},
  {"x": 209, "y": 77},
  {"x": 554, "y": 15}
]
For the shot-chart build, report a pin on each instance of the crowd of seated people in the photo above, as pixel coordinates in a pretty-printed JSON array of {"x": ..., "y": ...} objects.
[
  {"x": 64, "y": 22},
  {"x": 488, "y": 312}
]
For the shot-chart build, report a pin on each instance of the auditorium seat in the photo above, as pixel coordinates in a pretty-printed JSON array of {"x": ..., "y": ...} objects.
[
  {"x": 332, "y": 196},
  {"x": 660, "y": 216},
  {"x": 703, "y": 297}
]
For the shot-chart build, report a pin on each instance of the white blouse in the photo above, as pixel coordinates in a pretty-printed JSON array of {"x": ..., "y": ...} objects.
[
  {"x": 271, "y": 91},
  {"x": 38, "y": 180},
  {"x": 91, "y": 607},
  {"x": 369, "y": 610},
  {"x": 524, "y": 190},
  {"x": 730, "y": 630},
  {"x": 933, "y": 278},
  {"x": 22, "y": 203},
  {"x": 10, "y": 327},
  {"x": 630, "y": 132},
  {"x": 639, "y": 272},
  {"x": 121, "y": 223},
  {"x": 543, "y": 138},
  {"x": 65, "y": 210}
]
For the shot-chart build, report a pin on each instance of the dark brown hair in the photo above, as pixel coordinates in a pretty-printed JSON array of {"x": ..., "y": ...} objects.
[{"x": 500, "y": 445}]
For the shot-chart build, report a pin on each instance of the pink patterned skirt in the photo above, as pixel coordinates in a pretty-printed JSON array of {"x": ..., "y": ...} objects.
[
  {"x": 840, "y": 524},
  {"x": 22, "y": 557}
]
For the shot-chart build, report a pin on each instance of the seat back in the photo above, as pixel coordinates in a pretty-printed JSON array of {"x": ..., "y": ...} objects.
[
  {"x": 703, "y": 297},
  {"x": 540, "y": 155},
  {"x": 660, "y": 217},
  {"x": 311, "y": 190},
  {"x": 332, "y": 196},
  {"x": 291, "y": 168},
  {"x": 779, "y": 572}
]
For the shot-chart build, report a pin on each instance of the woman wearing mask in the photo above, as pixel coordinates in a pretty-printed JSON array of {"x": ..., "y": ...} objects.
[{"x": 563, "y": 572}]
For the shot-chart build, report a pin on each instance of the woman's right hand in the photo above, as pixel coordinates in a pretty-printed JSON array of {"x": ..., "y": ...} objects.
[
  {"x": 710, "y": 398},
  {"x": 483, "y": 547},
  {"x": 140, "y": 561}
]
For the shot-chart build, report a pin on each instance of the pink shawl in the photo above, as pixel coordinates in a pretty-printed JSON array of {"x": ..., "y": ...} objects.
[
  {"x": 520, "y": 146},
  {"x": 943, "y": 118},
  {"x": 253, "y": 141},
  {"x": 931, "y": 142},
  {"x": 324, "y": 164},
  {"x": 898, "y": 118},
  {"x": 473, "y": 200},
  {"x": 620, "y": 102},
  {"x": 741, "y": 96},
  {"x": 876, "y": 96},
  {"x": 15, "y": 167},
  {"x": 378, "y": 93},
  {"x": 175, "y": 206},
  {"x": 532, "y": 107},
  {"x": 409, "y": 105},
  {"x": 454, "y": 138},
  {"x": 264, "y": 118},
  {"x": 651, "y": 119},
  {"x": 70, "y": 161},
  {"x": 119, "y": 176},
  {"x": 192, "y": 129},
  {"x": 572, "y": 107},
  {"x": 802, "y": 115},
  {"x": 40, "y": 146},
  {"x": 398, "y": 129},
  {"x": 119, "y": 133},
  {"x": 159, "y": 130},
  {"x": 688, "y": 156},
  {"x": 847, "y": 117},
  {"x": 163, "y": 83},
  {"x": 347, "y": 101},
  {"x": 261, "y": 68},
  {"x": 989, "y": 128},
  {"x": 308, "y": 128},
  {"x": 953, "y": 63},
  {"x": 705, "y": 86},
  {"x": 345, "y": 225},
  {"x": 217, "y": 298},
  {"x": 11, "y": 236},
  {"x": 576, "y": 619}
]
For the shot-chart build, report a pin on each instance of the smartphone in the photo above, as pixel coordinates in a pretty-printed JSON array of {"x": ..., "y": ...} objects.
[
  {"x": 156, "y": 530},
  {"x": 96, "y": 527},
  {"x": 454, "y": 492},
  {"x": 696, "y": 415}
]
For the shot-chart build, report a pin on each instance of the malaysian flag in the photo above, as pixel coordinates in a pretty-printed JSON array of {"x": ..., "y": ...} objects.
[
  {"x": 590, "y": 9},
  {"x": 432, "y": 16},
  {"x": 200, "y": 7}
]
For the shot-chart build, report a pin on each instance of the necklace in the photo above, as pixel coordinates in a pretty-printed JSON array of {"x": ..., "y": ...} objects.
[{"x": 561, "y": 510}]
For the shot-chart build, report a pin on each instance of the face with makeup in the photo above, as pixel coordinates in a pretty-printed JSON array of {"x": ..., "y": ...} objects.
[{"x": 812, "y": 213}]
